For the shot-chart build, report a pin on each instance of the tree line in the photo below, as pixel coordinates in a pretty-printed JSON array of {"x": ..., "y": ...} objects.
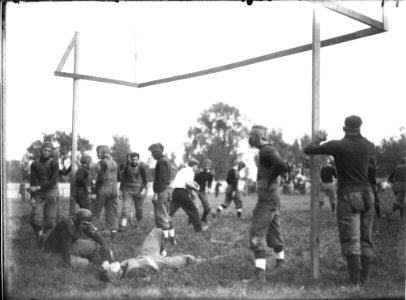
[{"x": 218, "y": 134}]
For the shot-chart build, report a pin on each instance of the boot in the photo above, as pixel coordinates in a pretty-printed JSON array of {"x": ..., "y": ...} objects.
[
  {"x": 333, "y": 207},
  {"x": 257, "y": 277},
  {"x": 365, "y": 262},
  {"x": 172, "y": 240},
  {"x": 354, "y": 267},
  {"x": 279, "y": 263},
  {"x": 113, "y": 234},
  {"x": 238, "y": 214},
  {"x": 40, "y": 241},
  {"x": 204, "y": 216},
  {"x": 378, "y": 211}
]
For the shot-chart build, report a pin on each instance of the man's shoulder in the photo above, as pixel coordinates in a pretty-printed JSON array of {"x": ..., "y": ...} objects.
[
  {"x": 163, "y": 159},
  {"x": 268, "y": 148},
  {"x": 53, "y": 162}
]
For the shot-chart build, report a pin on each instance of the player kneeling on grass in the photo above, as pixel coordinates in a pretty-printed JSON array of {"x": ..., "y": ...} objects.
[
  {"x": 65, "y": 239},
  {"x": 152, "y": 258}
]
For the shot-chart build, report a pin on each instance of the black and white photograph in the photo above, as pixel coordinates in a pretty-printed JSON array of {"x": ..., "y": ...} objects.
[{"x": 203, "y": 149}]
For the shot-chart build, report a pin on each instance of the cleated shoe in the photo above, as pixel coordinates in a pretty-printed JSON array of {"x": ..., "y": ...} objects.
[
  {"x": 279, "y": 263},
  {"x": 40, "y": 242},
  {"x": 257, "y": 278}
]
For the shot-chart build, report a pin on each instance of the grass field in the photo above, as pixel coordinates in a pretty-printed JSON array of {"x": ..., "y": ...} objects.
[{"x": 32, "y": 274}]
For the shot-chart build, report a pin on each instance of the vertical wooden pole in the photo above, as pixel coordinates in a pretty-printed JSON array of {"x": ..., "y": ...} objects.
[
  {"x": 5, "y": 207},
  {"x": 135, "y": 58},
  {"x": 74, "y": 127},
  {"x": 314, "y": 160}
]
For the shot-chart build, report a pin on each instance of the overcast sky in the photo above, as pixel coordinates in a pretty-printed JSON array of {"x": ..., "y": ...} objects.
[{"x": 365, "y": 76}]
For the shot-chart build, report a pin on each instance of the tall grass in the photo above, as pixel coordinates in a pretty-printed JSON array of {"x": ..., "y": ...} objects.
[{"x": 33, "y": 274}]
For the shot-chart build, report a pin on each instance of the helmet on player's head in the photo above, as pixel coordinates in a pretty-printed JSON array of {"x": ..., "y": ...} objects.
[
  {"x": 241, "y": 165},
  {"x": 82, "y": 215},
  {"x": 85, "y": 159},
  {"x": 257, "y": 133}
]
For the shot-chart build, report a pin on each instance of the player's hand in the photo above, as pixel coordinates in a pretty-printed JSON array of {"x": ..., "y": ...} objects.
[
  {"x": 189, "y": 258},
  {"x": 33, "y": 189},
  {"x": 105, "y": 266},
  {"x": 320, "y": 136},
  {"x": 33, "y": 202},
  {"x": 208, "y": 191},
  {"x": 120, "y": 195}
]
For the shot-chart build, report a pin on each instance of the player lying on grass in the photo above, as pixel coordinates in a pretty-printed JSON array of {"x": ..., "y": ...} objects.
[
  {"x": 66, "y": 239},
  {"x": 152, "y": 258}
]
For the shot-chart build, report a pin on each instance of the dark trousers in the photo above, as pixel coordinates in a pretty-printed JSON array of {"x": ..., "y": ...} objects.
[
  {"x": 83, "y": 198},
  {"x": 265, "y": 228},
  {"x": 181, "y": 199}
]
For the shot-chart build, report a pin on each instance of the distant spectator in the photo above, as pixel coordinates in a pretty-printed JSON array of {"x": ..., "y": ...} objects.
[
  {"x": 328, "y": 174},
  {"x": 374, "y": 185},
  {"x": 398, "y": 180}
]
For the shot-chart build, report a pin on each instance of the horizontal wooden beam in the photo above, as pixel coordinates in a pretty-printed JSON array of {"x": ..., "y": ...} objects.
[
  {"x": 332, "y": 5},
  {"x": 95, "y": 78},
  {"x": 258, "y": 59}
]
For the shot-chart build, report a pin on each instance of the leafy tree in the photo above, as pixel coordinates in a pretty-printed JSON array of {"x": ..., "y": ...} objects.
[
  {"x": 65, "y": 145},
  {"x": 389, "y": 153},
  {"x": 217, "y": 135},
  {"x": 120, "y": 148}
]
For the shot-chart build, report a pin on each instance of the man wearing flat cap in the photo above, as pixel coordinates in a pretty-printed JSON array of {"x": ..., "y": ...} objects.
[
  {"x": 45, "y": 192},
  {"x": 355, "y": 205},
  {"x": 182, "y": 186},
  {"x": 162, "y": 188},
  {"x": 133, "y": 188},
  {"x": 106, "y": 189}
]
